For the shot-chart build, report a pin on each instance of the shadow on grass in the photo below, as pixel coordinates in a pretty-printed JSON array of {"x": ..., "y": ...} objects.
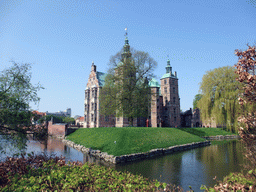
[{"x": 193, "y": 131}]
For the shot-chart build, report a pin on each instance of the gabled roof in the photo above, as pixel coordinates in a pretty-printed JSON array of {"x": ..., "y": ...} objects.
[
  {"x": 39, "y": 113},
  {"x": 101, "y": 78}
]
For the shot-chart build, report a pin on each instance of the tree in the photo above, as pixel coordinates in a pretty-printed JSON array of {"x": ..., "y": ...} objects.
[
  {"x": 126, "y": 92},
  {"x": 69, "y": 120},
  {"x": 219, "y": 101},
  {"x": 16, "y": 91},
  {"x": 196, "y": 99},
  {"x": 247, "y": 78}
]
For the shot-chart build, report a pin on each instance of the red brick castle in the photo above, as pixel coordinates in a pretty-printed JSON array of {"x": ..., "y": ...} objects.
[{"x": 165, "y": 101}]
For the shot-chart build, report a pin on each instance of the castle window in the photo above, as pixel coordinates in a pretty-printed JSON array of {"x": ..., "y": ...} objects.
[
  {"x": 173, "y": 81},
  {"x": 157, "y": 107},
  {"x": 174, "y": 119},
  {"x": 174, "y": 110},
  {"x": 173, "y": 100},
  {"x": 149, "y": 117},
  {"x": 173, "y": 89},
  {"x": 166, "y": 101},
  {"x": 85, "y": 107},
  {"x": 95, "y": 106},
  {"x": 165, "y": 90},
  {"x": 165, "y": 81},
  {"x": 95, "y": 118},
  {"x": 92, "y": 106},
  {"x": 92, "y": 93},
  {"x": 85, "y": 118},
  {"x": 91, "y": 117}
]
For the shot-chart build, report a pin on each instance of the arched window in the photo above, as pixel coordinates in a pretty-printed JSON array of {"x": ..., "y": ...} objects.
[
  {"x": 165, "y": 81},
  {"x": 173, "y": 89}
]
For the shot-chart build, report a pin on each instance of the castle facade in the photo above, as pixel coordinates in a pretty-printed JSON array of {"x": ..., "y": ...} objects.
[{"x": 165, "y": 101}]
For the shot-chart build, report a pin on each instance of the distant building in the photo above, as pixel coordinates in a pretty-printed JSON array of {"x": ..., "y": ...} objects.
[
  {"x": 186, "y": 118},
  {"x": 66, "y": 113},
  {"x": 80, "y": 121}
]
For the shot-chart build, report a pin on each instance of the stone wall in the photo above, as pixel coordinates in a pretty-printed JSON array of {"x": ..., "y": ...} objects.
[
  {"x": 136, "y": 156},
  {"x": 218, "y": 137}
]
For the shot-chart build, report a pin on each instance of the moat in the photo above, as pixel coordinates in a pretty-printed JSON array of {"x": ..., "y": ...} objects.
[{"x": 192, "y": 167}]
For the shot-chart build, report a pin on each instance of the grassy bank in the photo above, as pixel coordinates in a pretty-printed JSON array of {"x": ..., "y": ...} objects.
[
  {"x": 131, "y": 139},
  {"x": 205, "y": 132}
]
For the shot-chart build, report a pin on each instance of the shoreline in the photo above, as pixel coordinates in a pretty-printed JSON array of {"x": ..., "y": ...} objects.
[
  {"x": 134, "y": 156},
  {"x": 142, "y": 155}
]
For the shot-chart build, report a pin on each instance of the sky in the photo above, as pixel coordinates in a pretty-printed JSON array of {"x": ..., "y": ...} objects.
[{"x": 61, "y": 38}]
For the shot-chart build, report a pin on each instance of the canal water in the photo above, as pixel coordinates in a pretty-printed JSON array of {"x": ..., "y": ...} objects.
[{"x": 193, "y": 167}]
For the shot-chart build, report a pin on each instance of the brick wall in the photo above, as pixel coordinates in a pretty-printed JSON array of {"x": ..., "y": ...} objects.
[{"x": 58, "y": 129}]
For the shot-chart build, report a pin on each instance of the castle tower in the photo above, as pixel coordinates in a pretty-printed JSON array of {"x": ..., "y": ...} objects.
[
  {"x": 123, "y": 121},
  {"x": 154, "y": 117},
  {"x": 171, "y": 100}
]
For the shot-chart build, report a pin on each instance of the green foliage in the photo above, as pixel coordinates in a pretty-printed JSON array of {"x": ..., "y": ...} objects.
[
  {"x": 88, "y": 177},
  {"x": 234, "y": 182},
  {"x": 219, "y": 102},
  {"x": 126, "y": 92},
  {"x": 56, "y": 119},
  {"x": 16, "y": 91},
  {"x": 69, "y": 120},
  {"x": 196, "y": 99}
]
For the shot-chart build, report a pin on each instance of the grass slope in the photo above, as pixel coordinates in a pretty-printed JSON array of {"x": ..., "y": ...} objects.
[
  {"x": 131, "y": 139},
  {"x": 204, "y": 132}
]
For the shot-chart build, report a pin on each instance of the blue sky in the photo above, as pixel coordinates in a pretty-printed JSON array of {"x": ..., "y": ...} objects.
[{"x": 61, "y": 38}]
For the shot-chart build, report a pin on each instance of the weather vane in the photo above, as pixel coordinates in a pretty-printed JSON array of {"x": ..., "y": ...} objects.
[{"x": 125, "y": 32}]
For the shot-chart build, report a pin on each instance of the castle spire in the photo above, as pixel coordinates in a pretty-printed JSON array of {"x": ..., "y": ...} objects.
[
  {"x": 168, "y": 67},
  {"x": 126, "y": 53}
]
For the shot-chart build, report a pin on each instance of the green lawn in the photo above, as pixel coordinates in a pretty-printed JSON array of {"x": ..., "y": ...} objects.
[
  {"x": 204, "y": 132},
  {"x": 131, "y": 139}
]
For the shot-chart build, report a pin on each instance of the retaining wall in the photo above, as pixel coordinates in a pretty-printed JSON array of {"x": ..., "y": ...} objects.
[
  {"x": 135, "y": 156},
  {"x": 219, "y": 137}
]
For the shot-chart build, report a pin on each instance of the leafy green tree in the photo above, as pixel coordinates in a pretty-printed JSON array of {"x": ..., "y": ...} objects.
[
  {"x": 69, "y": 120},
  {"x": 220, "y": 92},
  {"x": 126, "y": 92},
  {"x": 196, "y": 99},
  {"x": 16, "y": 91}
]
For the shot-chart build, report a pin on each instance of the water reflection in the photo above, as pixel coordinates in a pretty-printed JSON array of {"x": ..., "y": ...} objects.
[{"x": 193, "y": 167}]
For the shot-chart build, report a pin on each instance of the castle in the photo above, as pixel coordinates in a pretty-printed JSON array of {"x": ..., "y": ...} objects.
[{"x": 165, "y": 101}]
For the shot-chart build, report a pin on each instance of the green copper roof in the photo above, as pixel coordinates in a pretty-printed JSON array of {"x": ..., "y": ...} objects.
[
  {"x": 168, "y": 75},
  {"x": 153, "y": 83},
  {"x": 101, "y": 77}
]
